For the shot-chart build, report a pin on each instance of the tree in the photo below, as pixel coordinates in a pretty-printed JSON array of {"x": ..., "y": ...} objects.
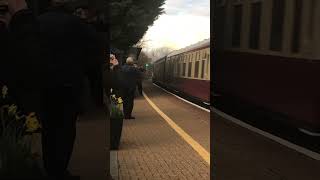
[
  {"x": 143, "y": 59},
  {"x": 130, "y": 19},
  {"x": 158, "y": 53}
]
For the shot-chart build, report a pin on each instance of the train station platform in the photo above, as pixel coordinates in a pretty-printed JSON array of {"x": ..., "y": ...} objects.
[
  {"x": 169, "y": 139},
  {"x": 243, "y": 152},
  {"x": 90, "y": 155}
]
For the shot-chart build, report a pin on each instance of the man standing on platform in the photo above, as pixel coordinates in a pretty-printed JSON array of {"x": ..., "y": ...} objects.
[
  {"x": 51, "y": 57},
  {"x": 73, "y": 51},
  {"x": 140, "y": 79},
  {"x": 130, "y": 75}
]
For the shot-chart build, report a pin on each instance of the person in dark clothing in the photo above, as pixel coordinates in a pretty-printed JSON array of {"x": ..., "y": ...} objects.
[
  {"x": 114, "y": 75},
  {"x": 130, "y": 75},
  {"x": 20, "y": 55},
  {"x": 51, "y": 55},
  {"x": 140, "y": 79},
  {"x": 73, "y": 51},
  {"x": 45, "y": 62},
  {"x": 4, "y": 34}
]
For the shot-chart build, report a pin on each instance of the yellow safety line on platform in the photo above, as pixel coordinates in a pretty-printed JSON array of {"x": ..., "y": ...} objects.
[{"x": 194, "y": 144}]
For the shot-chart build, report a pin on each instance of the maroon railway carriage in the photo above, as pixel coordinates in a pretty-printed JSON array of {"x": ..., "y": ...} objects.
[
  {"x": 268, "y": 54},
  {"x": 186, "y": 71}
]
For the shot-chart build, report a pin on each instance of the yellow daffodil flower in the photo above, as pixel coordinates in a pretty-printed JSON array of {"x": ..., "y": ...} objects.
[
  {"x": 12, "y": 110},
  {"x": 120, "y": 101},
  {"x": 18, "y": 117},
  {"x": 31, "y": 115},
  {"x": 4, "y": 91},
  {"x": 114, "y": 96},
  {"x": 32, "y": 123}
]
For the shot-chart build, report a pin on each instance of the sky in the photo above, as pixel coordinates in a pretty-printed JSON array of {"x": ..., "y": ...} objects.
[{"x": 184, "y": 22}]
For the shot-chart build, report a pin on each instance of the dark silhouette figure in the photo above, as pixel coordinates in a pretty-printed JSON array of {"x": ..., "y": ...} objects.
[
  {"x": 72, "y": 51},
  {"x": 130, "y": 75},
  {"x": 140, "y": 79},
  {"x": 115, "y": 72},
  {"x": 45, "y": 63}
]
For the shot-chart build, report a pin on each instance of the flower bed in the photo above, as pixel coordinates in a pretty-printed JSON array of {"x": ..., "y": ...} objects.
[
  {"x": 17, "y": 134},
  {"x": 116, "y": 121}
]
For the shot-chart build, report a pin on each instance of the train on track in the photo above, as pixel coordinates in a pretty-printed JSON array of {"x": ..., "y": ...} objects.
[
  {"x": 268, "y": 55},
  {"x": 186, "y": 72}
]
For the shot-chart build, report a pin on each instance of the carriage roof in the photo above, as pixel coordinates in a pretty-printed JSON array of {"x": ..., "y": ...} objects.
[{"x": 199, "y": 45}]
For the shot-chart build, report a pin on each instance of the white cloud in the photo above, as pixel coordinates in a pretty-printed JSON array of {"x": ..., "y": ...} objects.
[
  {"x": 190, "y": 7},
  {"x": 177, "y": 31},
  {"x": 185, "y": 22}
]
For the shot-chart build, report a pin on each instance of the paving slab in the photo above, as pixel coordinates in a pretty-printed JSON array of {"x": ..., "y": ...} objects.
[{"x": 151, "y": 149}]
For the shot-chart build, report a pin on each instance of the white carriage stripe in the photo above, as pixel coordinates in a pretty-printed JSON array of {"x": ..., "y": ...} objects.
[
  {"x": 202, "y": 108},
  {"x": 302, "y": 150}
]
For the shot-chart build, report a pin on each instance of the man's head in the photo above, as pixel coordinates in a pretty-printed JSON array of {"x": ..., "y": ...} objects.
[
  {"x": 129, "y": 61},
  {"x": 112, "y": 56},
  {"x": 87, "y": 14},
  {"x": 4, "y": 12},
  {"x": 82, "y": 12}
]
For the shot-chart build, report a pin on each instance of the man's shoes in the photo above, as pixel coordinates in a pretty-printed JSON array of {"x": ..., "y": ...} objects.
[
  {"x": 66, "y": 176},
  {"x": 70, "y": 176},
  {"x": 129, "y": 117}
]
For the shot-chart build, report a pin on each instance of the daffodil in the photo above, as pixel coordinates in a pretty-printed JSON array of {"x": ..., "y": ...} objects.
[
  {"x": 120, "y": 101},
  {"x": 31, "y": 115},
  {"x": 12, "y": 110},
  {"x": 4, "y": 91},
  {"x": 18, "y": 117},
  {"x": 32, "y": 123},
  {"x": 114, "y": 96}
]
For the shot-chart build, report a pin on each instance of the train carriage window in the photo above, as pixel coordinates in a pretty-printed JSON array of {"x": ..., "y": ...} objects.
[
  {"x": 255, "y": 25},
  {"x": 181, "y": 70},
  {"x": 172, "y": 69},
  {"x": 311, "y": 19},
  {"x": 220, "y": 2},
  {"x": 189, "y": 69},
  {"x": 237, "y": 22},
  {"x": 208, "y": 65},
  {"x": 184, "y": 69},
  {"x": 174, "y": 63},
  {"x": 277, "y": 25},
  {"x": 295, "y": 46},
  {"x": 196, "y": 69},
  {"x": 178, "y": 69},
  {"x": 220, "y": 25},
  {"x": 202, "y": 68}
]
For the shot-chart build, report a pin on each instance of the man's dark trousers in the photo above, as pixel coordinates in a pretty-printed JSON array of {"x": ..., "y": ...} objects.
[
  {"x": 128, "y": 101},
  {"x": 58, "y": 116},
  {"x": 139, "y": 85},
  {"x": 72, "y": 51}
]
